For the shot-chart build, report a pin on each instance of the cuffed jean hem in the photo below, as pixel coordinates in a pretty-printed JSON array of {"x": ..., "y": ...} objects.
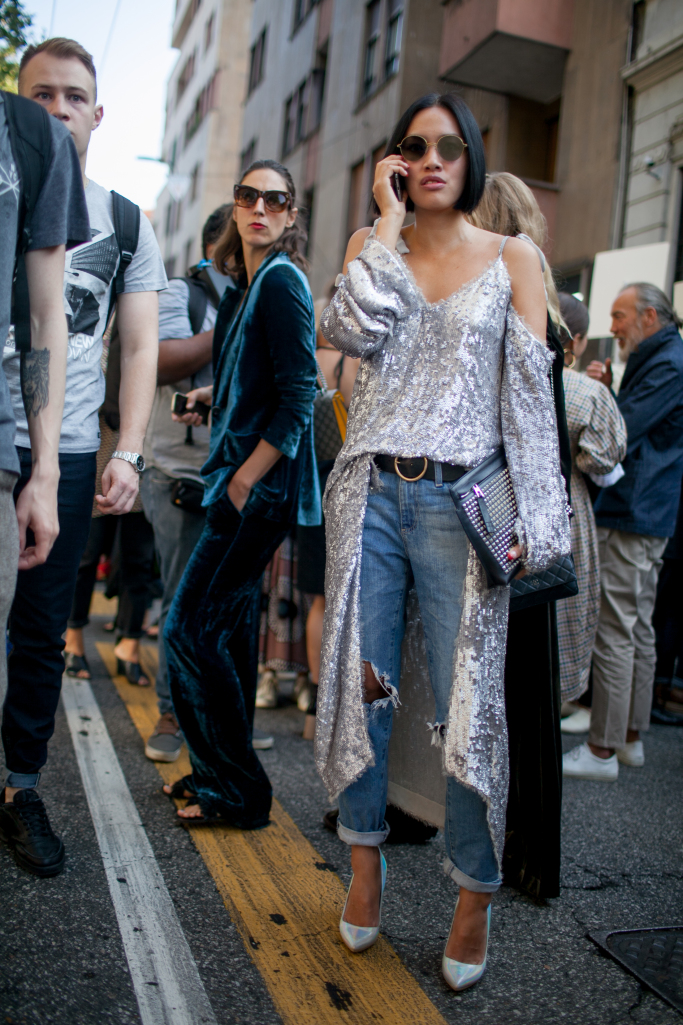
[
  {"x": 454, "y": 873},
  {"x": 350, "y": 836},
  {"x": 22, "y": 780}
]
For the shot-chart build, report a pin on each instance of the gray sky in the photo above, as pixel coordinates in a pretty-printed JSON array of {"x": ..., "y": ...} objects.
[{"x": 131, "y": 83}]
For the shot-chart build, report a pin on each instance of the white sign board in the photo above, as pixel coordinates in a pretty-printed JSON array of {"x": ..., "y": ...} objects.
[{"x": 617, "y": 267}]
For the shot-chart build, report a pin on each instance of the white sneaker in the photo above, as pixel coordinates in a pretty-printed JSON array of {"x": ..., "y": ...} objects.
[
  {"x": 581, "y": 763},
  {"x": 302, "y": 692},
  {"x": 266, "y": 692},
  {"x": 632, "y": 754},
  {"x": 577, "y": 722}
]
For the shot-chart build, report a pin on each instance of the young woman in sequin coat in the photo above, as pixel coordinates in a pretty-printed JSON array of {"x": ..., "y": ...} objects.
[{"x": 448, "y": 321}]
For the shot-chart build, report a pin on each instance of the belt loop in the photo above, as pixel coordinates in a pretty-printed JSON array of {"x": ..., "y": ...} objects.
[{"x": 438, "y": 475}]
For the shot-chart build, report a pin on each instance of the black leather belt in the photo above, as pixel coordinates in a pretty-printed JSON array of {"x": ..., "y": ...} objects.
[{"x": 418, "y": 468}]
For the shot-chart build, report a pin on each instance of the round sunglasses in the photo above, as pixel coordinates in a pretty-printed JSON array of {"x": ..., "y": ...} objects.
[
  {"x": 449, "y": 147},
  {"x": 274, "y": 200}
]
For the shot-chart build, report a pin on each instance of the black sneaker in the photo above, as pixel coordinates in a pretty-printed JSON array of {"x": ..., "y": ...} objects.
[{"x": 26, "y": 829}]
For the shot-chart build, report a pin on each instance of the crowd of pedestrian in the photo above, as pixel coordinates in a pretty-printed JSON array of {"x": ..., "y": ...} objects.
[{"x": 425, "y": 431}]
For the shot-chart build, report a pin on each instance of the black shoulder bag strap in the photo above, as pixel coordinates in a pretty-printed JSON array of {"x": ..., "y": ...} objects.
[{"x": 31, "y": 141}]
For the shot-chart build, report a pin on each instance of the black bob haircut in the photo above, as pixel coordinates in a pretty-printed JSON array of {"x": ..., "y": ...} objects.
[{"x": 476, "y": 173}]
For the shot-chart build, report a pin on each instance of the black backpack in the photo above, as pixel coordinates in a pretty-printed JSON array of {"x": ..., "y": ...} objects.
[
  {"x": 31, "y": 140},
  {"x": 202, "y": 292}
]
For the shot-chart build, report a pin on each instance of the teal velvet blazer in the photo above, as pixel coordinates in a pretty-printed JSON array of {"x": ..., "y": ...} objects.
[{"x": 264, "y": 386}]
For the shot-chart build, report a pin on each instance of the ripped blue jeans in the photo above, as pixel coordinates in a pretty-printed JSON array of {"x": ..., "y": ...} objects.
[{"x": 412, "y": 536}]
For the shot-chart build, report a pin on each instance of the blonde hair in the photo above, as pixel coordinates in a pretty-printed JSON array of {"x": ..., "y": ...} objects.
[{"x": 509, "y": 207}]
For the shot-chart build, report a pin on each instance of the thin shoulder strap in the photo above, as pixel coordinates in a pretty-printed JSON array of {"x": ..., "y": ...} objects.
[{"x": 502, "y": 245}]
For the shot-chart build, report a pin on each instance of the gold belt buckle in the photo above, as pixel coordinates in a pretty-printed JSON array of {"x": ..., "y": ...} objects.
[{"x": 411, "y": 480}]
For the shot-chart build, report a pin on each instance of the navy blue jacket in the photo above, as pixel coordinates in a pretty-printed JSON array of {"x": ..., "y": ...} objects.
[
  {"x": 264, "y": 386},
  {"x": 645, "y": 500}
]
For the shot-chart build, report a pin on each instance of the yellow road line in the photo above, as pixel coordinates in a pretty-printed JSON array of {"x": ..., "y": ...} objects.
[{"x": 286, "y": 902}]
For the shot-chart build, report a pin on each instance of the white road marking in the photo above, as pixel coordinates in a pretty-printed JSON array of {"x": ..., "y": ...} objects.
[{"x": 167, "y": 985}]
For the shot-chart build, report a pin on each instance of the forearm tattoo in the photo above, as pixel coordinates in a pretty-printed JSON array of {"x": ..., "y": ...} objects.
[{"x": 35, "y": 380}]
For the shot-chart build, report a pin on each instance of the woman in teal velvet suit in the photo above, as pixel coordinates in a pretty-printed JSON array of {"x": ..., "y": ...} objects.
[{"x": 261, "y": 480}]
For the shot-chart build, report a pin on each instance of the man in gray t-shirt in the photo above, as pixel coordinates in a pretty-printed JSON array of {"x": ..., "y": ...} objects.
[
  {"x": 59, "y": 217},
  {"x": 59, "y": 75},
  {"x": 175, "y": 454}
]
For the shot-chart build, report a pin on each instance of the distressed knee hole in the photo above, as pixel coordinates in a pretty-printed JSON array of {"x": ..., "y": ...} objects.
[
  {"x": 378, "y": 691},
  {"x": 438, "y": 731}
]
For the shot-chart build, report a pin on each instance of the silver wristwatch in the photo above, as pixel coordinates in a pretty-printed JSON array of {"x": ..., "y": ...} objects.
[{"x": 131, "y": 457}]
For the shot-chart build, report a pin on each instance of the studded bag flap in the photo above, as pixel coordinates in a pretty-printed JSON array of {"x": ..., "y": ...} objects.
[{"x": 485, "y": 503}]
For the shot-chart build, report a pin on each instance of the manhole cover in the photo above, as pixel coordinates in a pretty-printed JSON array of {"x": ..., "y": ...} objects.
[{"x": 654, "y": 956}]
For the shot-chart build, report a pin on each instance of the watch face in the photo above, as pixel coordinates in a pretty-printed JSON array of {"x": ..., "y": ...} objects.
[{"x": 140, "y": 463}]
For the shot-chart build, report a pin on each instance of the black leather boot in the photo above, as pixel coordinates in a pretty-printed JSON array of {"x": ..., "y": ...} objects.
[{"x": 26, "y": 829}]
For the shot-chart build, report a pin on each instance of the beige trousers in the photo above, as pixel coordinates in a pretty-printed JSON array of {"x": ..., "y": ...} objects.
[{"x": 624, "y": 652}]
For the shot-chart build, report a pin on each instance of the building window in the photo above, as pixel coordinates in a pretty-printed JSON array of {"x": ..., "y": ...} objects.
[
  {"x": 257, "y": 64},
  {"x": 304, "y": 108},
  {"x": 354, "y": 218},
  {"x": 247, "y": 156},
  {"x": 202, "y": 105},
  {"x": 194, "y": 183},
  {"x": 371, "y": 47},
  {"x": 209, "y": 31},
  {"x": 307, "y": 217},
  {"x": 383, "y": 34},
  {"x": 185, "y": 75},
  {"x": 188, "y": 254},
  {"x": 678, "y": 268},
  {"x": 394, "y": 32},
  {"x": 173, "y": 214},
  {"x": 302, "y": 8}
]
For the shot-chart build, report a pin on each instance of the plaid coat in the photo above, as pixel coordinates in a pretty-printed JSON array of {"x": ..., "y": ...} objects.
[{"x": 598, "y": 440}]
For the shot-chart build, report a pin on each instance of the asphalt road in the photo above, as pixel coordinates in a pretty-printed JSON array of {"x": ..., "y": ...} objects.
[{"x": 62, "y": 959}]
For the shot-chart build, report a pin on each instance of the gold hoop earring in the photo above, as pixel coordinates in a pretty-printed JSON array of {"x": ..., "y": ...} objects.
[{"x": 569, "y": 366}]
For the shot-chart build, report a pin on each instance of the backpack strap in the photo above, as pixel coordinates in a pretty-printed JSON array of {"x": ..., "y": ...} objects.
[
  {"x": 197, "y": 302},
  {"x": 126, "y": 217},
  {"x": 31, "y": 140}
]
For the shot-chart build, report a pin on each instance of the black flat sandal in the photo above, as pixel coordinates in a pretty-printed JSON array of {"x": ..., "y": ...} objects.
[
  {"x": 178, "y": 789},
  {"x": 75, "y": 664},
  {"x": 132, "y": 672}
]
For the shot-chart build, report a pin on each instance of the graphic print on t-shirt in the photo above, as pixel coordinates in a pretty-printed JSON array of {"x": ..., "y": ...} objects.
[{"x": 88, "y": 273}]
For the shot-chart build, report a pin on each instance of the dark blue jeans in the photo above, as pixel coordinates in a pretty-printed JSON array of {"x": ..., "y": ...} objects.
[
  {"x": 211, "y": 639},
  {"x": 38, "y": 619}
]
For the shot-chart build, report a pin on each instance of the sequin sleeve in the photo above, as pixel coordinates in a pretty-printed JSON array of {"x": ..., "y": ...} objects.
[
  {"x": 374, "y": 294},
  {"x": 529, "y": 433}
]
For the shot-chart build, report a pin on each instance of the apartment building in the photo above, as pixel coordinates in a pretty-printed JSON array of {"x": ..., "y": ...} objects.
[
  {"x": 582, "y": 99},
  {"x": 653, "y": 171},
  {"x": 335, "y": 77},
  {"x": 204, "y": 107}
]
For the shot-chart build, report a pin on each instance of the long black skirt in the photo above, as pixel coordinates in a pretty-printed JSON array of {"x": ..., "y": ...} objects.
[{"x": 531, "y": 860}]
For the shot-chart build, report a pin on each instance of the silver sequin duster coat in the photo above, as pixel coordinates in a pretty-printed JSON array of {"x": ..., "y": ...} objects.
[{"x": 451, "y": 381}]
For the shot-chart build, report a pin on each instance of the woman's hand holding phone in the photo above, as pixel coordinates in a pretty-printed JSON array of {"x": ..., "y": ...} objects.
[
  {"x": 388, "y": 173},
  {"x": 204, "y": 395}
]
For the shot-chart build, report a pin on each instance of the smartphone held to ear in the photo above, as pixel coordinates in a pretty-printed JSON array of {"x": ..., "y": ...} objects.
[
  {"x": 179, "y": 406},
  {"x": 397, "y": 186}
]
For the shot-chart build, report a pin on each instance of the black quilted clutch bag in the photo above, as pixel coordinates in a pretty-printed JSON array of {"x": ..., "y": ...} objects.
[
  {"x": 485, "y": 503},
  {"x": 486, "y": 507},
  {"x": 558, "y": 581}
]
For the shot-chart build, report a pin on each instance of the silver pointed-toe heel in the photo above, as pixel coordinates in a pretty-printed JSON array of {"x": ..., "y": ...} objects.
[
  {"x": 461, "y": 976},
  {"x": 360, "y": 937}
]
